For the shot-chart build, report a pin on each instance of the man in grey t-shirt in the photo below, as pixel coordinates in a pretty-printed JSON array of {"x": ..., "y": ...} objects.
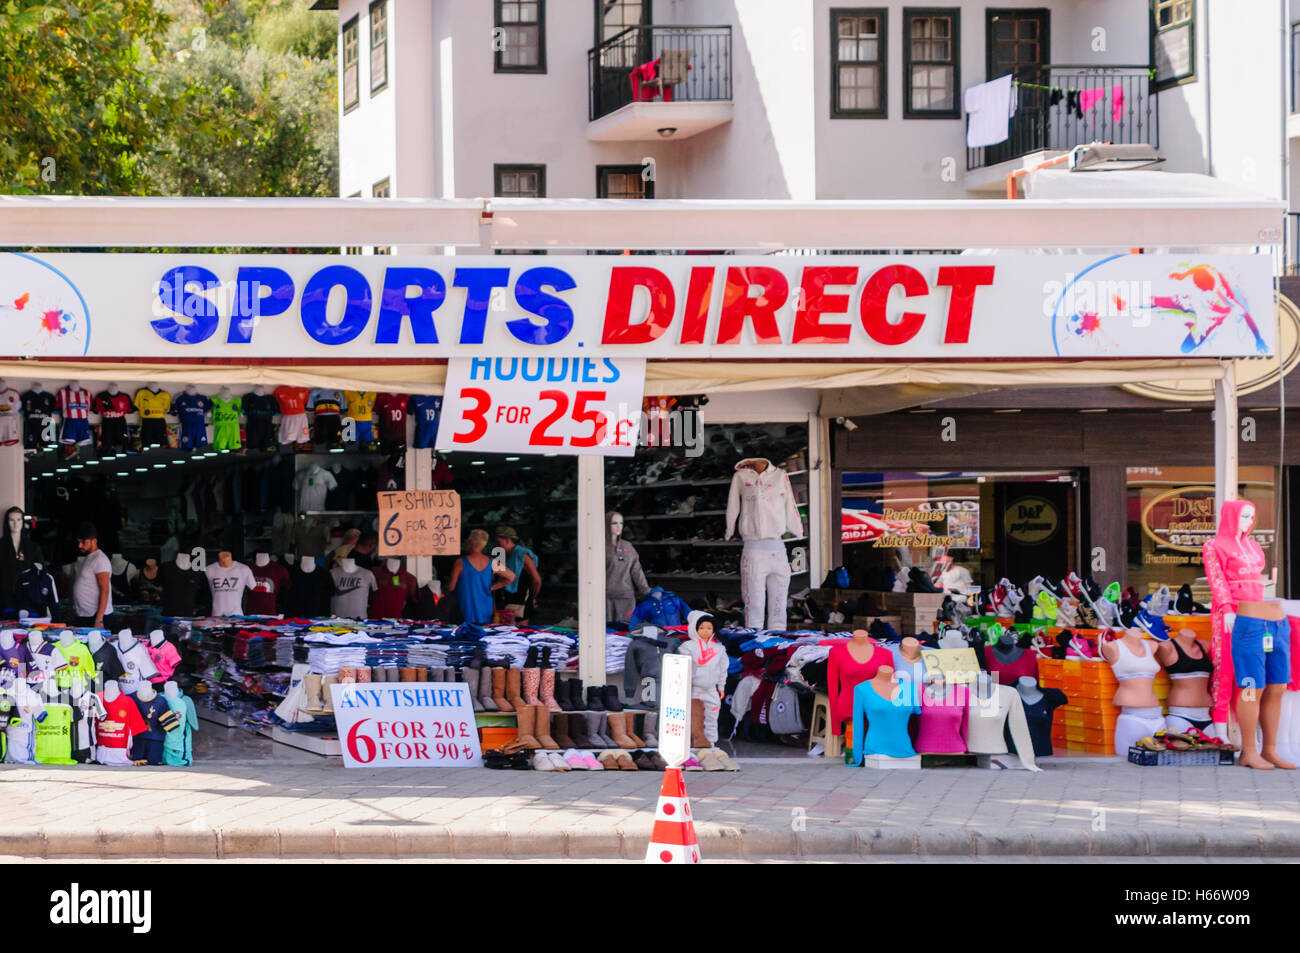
[
  {"x": 352, "y": 591},
  {"x": 92, "y": 597}
]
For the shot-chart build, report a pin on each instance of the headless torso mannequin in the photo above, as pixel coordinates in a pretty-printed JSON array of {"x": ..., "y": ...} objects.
[
  {"x": 886, "y": 705},
  {"x": 1251, "y": 636},
  {"x": 994, "y": 708},
  {"x": 307, "y": 564},
  {"x": 1132, "y": 659},
  {"x": 261, "y": 559},
  {"x": 625, "y": 581},
  {"x": 1188, "y": 663},
  {"x": 761, "y": 509},
  {"x": 183, "y": 562}
]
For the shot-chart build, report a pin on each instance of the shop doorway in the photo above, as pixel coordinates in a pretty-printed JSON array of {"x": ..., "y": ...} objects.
[{"x": 1033, "y": 530}]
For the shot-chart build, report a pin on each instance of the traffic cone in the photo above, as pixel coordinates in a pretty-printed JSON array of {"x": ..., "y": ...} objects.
[{"x": 673, "y": 839}]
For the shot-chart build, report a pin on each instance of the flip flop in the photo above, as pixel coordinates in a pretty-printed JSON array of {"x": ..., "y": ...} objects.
[
  {"x": 1176, "y": 741},
  {"x": 1150, "y": 744}
]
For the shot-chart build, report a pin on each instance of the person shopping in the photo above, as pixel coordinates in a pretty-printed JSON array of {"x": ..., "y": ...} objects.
[
  {"x": 525, "y": 583},
  {"x": 473, "y": 580}
]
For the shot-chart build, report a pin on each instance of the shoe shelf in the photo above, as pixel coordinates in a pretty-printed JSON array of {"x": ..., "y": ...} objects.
[
  {"x": 703, "y": 542},
  {"x": 676, "y": 516},
  {"x": 696, "y": 577},
  {"x": 496, "y": 495}
]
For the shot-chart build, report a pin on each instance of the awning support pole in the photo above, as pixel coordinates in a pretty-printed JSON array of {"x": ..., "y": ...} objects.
[
  {"x": 1225, "y": 436},
  {"x": 419, "y": 476},
  {"x": 591, "y": 569}
]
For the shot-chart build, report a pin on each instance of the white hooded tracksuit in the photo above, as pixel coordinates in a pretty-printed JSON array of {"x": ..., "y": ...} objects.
[
  {"x": 708, "y": 674},
  {"x": 761, "y": 507}
]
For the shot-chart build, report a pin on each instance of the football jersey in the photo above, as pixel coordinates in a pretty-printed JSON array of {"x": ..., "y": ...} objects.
[
  {"x": 112, "y": 406},
  {"x": 11, "y": 400},
  {"x": 360, "y": 404},
  {"x": 54, "y": 736},
  {"x": 191, "y": 408},
  {"x": 226, "y": 411},
  {"x": 425, "y": 409},
  {"x": 292, "y": 400},
  {"x": 38, "y": 403},
  {"x": 74, "y": 403},
  {"x": 152, "y": 405},
  {"x": 260, "y": 405},
  {"x": 74, "y": 662},
  {"x": 325, "y": 402},
  {"x": 150, "y": 712},
  {"x": 391, "y": 411},
  {"x": 121, "y": 721}
]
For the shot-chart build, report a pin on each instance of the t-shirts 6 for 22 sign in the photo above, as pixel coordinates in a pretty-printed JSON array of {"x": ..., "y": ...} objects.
[
  {"x": 419, "y": 523},
  {"x": 569, "y": 405}
]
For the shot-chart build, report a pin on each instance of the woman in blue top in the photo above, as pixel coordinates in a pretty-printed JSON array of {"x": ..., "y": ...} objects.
[{"x": 473, "y": 579}]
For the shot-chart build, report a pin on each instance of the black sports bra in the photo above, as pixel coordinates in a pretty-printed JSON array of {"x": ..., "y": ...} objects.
[{"x": 1186, "y": 665}]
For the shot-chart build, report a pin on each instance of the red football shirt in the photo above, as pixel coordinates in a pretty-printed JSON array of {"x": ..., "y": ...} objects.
[
  {"x": 292, "y": 400},
  {"x": 395, "y": 589},
  {"x": 121, "y": 723},
  {"x": 113, "y": 405},
  {"x": 390, "y": 411}
]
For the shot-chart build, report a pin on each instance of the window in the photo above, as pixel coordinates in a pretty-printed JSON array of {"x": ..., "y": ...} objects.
[
  {"x": 1295, "y": 67},
  {"x": 519, "y": 182},
  {"x": 932, "y": 54},
  {"x": 623, "y": 182},
  {"x": 858, "y": 63},
  {"x": 351, "y": 67},
  {"x": 1017, "y": 40},
  {"x": 378, "y": 47},
  {"x": 381, "y": 190},
  {"x": 1174, "y": 42},
  {"x": 520, "y": 36},
  {"x": 612, "y": 18}
]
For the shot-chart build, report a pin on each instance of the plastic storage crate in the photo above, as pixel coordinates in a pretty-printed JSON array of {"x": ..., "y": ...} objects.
[{"x": 1210, "y": 757}]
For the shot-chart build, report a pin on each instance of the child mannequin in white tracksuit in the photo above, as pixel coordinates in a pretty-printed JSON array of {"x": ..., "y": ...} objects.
[
  {"x": 761, "y": 509},
  {"x": 709, "y": 674}
]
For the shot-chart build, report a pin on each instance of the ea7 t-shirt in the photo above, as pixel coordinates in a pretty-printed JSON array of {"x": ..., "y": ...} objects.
[
  {"x": 351, "y": 593},
  {"x": 228, "y": 587}
]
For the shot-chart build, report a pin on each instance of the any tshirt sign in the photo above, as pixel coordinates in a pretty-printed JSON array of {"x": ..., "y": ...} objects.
[{"x": 406, "y": 726}]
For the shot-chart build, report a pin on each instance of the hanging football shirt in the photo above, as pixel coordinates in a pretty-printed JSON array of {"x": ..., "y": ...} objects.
[
  {"x": 38, "y": 408},
  {"x": 391, "y": 411},
  {"x": 35, "y": 592},
  {"x": 425, "y": 409},
  {"x": 225, "y": 422},
  {"x": 322, "y": 400},
  {"x": 136, "y": 664},
  {"x": 73, "y": 661},
  {"x": 112, "y": 410},
  {"x": 360, "y": 404},
  {"x": 152, "y": 405},
  {"x": 121, "y": 722},
  {"x": 228, "y": 585},
  {"x": 17, "y": 660},
  {"x": 312, "y": 484},
  {"x": 54, "y": 736},
  {"x": 292, "y": 400}
]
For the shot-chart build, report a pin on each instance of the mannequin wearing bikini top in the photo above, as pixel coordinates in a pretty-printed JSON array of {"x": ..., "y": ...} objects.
[
  {"x": 1188, "y": 663},
  {"x": 1135, "y": 667}
]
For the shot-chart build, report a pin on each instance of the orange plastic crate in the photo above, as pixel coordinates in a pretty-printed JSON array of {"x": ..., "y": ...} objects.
[
  {"x": 492, "y": 738},
  {"x": 1200, "y": 624}
]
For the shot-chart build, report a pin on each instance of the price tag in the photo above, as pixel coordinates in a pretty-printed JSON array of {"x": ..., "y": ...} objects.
[
  {"x": 419, "y": 523},
  {"x": 543, "y": 405}
]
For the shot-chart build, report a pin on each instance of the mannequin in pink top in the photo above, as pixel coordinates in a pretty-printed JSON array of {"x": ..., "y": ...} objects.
[
  {"x": 852, "y": 661},
  {"x": 1251, "y": 641},
  {"x": 944, "y": 709}
]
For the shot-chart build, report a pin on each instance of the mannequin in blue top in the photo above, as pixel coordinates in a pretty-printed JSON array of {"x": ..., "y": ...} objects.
[
  {"x": 473, "y": 579},
  {"x": 886, "y": 716},
  {"x": 177, "y": 750}
]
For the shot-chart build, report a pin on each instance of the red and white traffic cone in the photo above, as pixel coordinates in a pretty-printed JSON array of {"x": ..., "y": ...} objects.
[{"x": 673, "y": 839}]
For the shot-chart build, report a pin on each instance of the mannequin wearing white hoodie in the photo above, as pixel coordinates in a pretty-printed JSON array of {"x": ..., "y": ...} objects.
[
  {"x": 709, "y": 673},
  {"x": 762, "y": 509}
]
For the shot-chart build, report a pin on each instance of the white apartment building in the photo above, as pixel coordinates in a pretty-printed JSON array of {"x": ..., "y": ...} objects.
[{"x": 797, "y": 99}]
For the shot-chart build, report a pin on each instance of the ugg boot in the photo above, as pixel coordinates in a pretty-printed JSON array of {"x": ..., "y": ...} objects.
[
  {"x": 475, "y": 686},
  {"x": 594, "y": 702},
  {"x": 311, "y": 686},
  {"x": 421, "y": 674},
  {"x": 347, "y": 674},
  {"x": 499, "y": 690},
  {"x": 514, "y": 679},
  {"x": 547, "y": 692},
  {"x": 593, "y": 720},
  {"x": 648, "y": 734},
  {"x": 560, "y": 731},
  {"x": 618, "y": 730},
  {"x": 629, "y": 725},
  {"x": 407, "y": 674},
  {"x": 575, "y": 694},
  {"x": 542, "y": 727},
  {"x": 531, "y": 679},
  {"x": 697, "y": 725},
  {"x": 527, "y": 724},
  {"x": 326, "y": 696},
  {"x": 609, "y": 695},
  {"x": 578, "y": 730},
  {"x": 483, "y": 690},
  {"x": 530, "y": 661},
  {"x": 437, "y": 674},
  {"x": 363, "y": 675},
  {"x": 562, "y": 696}
]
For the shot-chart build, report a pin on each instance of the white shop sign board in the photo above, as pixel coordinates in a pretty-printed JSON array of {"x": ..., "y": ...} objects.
[
  {"x": 675, "y": 710},
  {"x": 406, "y": 725}
]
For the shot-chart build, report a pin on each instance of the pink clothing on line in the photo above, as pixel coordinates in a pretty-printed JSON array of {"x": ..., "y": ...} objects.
[
  {"x": 1090, "y": 97},
  {"x": 1117, "y": 103},
  {"x": 942, "y": 728},
  {"x": 844, "y": 673},
  {"x": 1234, "y": 567}
]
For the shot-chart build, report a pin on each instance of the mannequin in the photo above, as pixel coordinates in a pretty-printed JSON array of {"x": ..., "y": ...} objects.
[
  {"x": 123, "y": 574},
  {"x": 1040, "y": 704},
  {"x": 147, "y": 746},
  {"x": 87, "y": 710},
  {"x": 309, "y": 592},
  {"x": 94, "y": 640},
  {"x": 15, "y": 656},
  {"x": 1008, "y": 662},
  {"x": 352, "y": 588},
  {"x": 260, "y": 409},
  {"x": 312, "y": 485},
  {"x": 183, "y": 561},
  {"x": 270, "y": 580},
  {"x": 1188, "y": 663},
  {"x": 886, "y": 704},
  {"x": 227, "y": 580},
  {"x": 112, "y": 406},
  {"x": 307, "y": 564},
  {"x": 137, "y": 666},
  {"x": 226, "y": 409},
  {"x": 181, "y": 587},
  {"x": 995, "y": 708},
  {"x": 18, "y": 551},
  {"x": 908, "y": 664},
  {"x": 38, "y": 406},
  {"x": 1134, "y": 663},
  {"x": 120, "y": 723},
  {"x": 944, "y": 712},
  {"x": 761, "y": 508},
  {"x": 153, "y": 404},
  {"x": 74, "y": 408},
  {"x": 75, "y": 662},
  {"x": 20, "y": 732},
  {"x": 164, "y": 656},
  {"x": 396, "y": 591},
  {"x": 1252, "y": 641},
  {"x": 36, "y": 593},
  {"x": 177, "y": 749},
  {"x": 708, "y": 675},
  {"x": 852, "y": 661},
  {"x": 10, "y": 420},
  {"x": 625, "y": 581}
]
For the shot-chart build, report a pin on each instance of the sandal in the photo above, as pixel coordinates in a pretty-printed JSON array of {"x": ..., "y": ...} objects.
[
  {"x": 1207, "y": 741},
  {"x": 1150, "y": 744},
  {"x": 1176, "y": 740}
]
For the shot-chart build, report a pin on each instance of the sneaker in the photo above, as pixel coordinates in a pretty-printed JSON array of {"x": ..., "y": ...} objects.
[
  {"x": 1067, "y": 614},
  {"x": 1153, "y": 625},
  {"x": 1073, "y": 585},
  {"x": 817, "y": 750},
  {"x": 542, "y": 763},
  {"x": 1186, "y": 604},
  {"x": 1158, "y": 602},
  {"x": 1046, "y": 605}
]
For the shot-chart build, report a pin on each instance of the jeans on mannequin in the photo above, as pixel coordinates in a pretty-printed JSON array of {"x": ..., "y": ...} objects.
[{"x": 764, "y": 583}]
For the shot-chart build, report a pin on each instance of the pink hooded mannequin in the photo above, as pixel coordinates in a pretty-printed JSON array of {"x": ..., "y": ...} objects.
[{"x": 1234, "y": 567}]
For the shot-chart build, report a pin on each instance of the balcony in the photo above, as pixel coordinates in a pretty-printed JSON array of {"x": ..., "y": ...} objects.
[
  {"x": 649, "y": 79},
  {"x": 1046, "y": 125}
]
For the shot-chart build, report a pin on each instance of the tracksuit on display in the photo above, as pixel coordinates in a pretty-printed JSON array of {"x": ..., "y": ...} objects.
[
  {"x": 708, "y": 674},
  {"x": 761, "y": 508}
]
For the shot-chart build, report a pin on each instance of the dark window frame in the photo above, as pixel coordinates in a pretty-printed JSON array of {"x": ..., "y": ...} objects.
[
  {"x": 355, "y": 26},
  {"x": 501, "y": 168},
  {"x": 1295, "y": 66},
  {"x": 602, "y": 171},
  {"x": 382, "y": 6},
  {"x": 882, "y": 62},
  {"x": 954, "y": 38},
  {"x": 497, "y": 22},
  {"x": 1044, "y": 41},
  {"x": 647, "y": 11},
  {"x": 1172, "y": 81}
]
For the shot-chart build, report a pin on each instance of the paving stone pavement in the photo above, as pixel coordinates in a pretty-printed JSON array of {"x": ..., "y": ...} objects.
[{"x": 770, "y": 810}]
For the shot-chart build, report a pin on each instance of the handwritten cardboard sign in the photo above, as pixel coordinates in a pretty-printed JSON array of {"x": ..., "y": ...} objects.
[{"x": 419, "y": 523}]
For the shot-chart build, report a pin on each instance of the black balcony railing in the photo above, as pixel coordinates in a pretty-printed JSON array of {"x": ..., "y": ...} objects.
[
  {"x": 1125, "y": 112},
  {"x": 660, "y": 63}
]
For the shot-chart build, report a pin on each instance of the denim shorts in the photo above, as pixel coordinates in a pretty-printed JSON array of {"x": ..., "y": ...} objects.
[{"x": 1255, "y": 668}]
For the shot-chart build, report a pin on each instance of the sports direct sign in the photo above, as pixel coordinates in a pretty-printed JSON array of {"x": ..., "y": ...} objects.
[{"x": 680, "y": 307}]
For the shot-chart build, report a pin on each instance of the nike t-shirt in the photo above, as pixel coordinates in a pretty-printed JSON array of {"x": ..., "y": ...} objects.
[
  {"x": 351, "y": 593},
  {"x": 228, "y": 587}
]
